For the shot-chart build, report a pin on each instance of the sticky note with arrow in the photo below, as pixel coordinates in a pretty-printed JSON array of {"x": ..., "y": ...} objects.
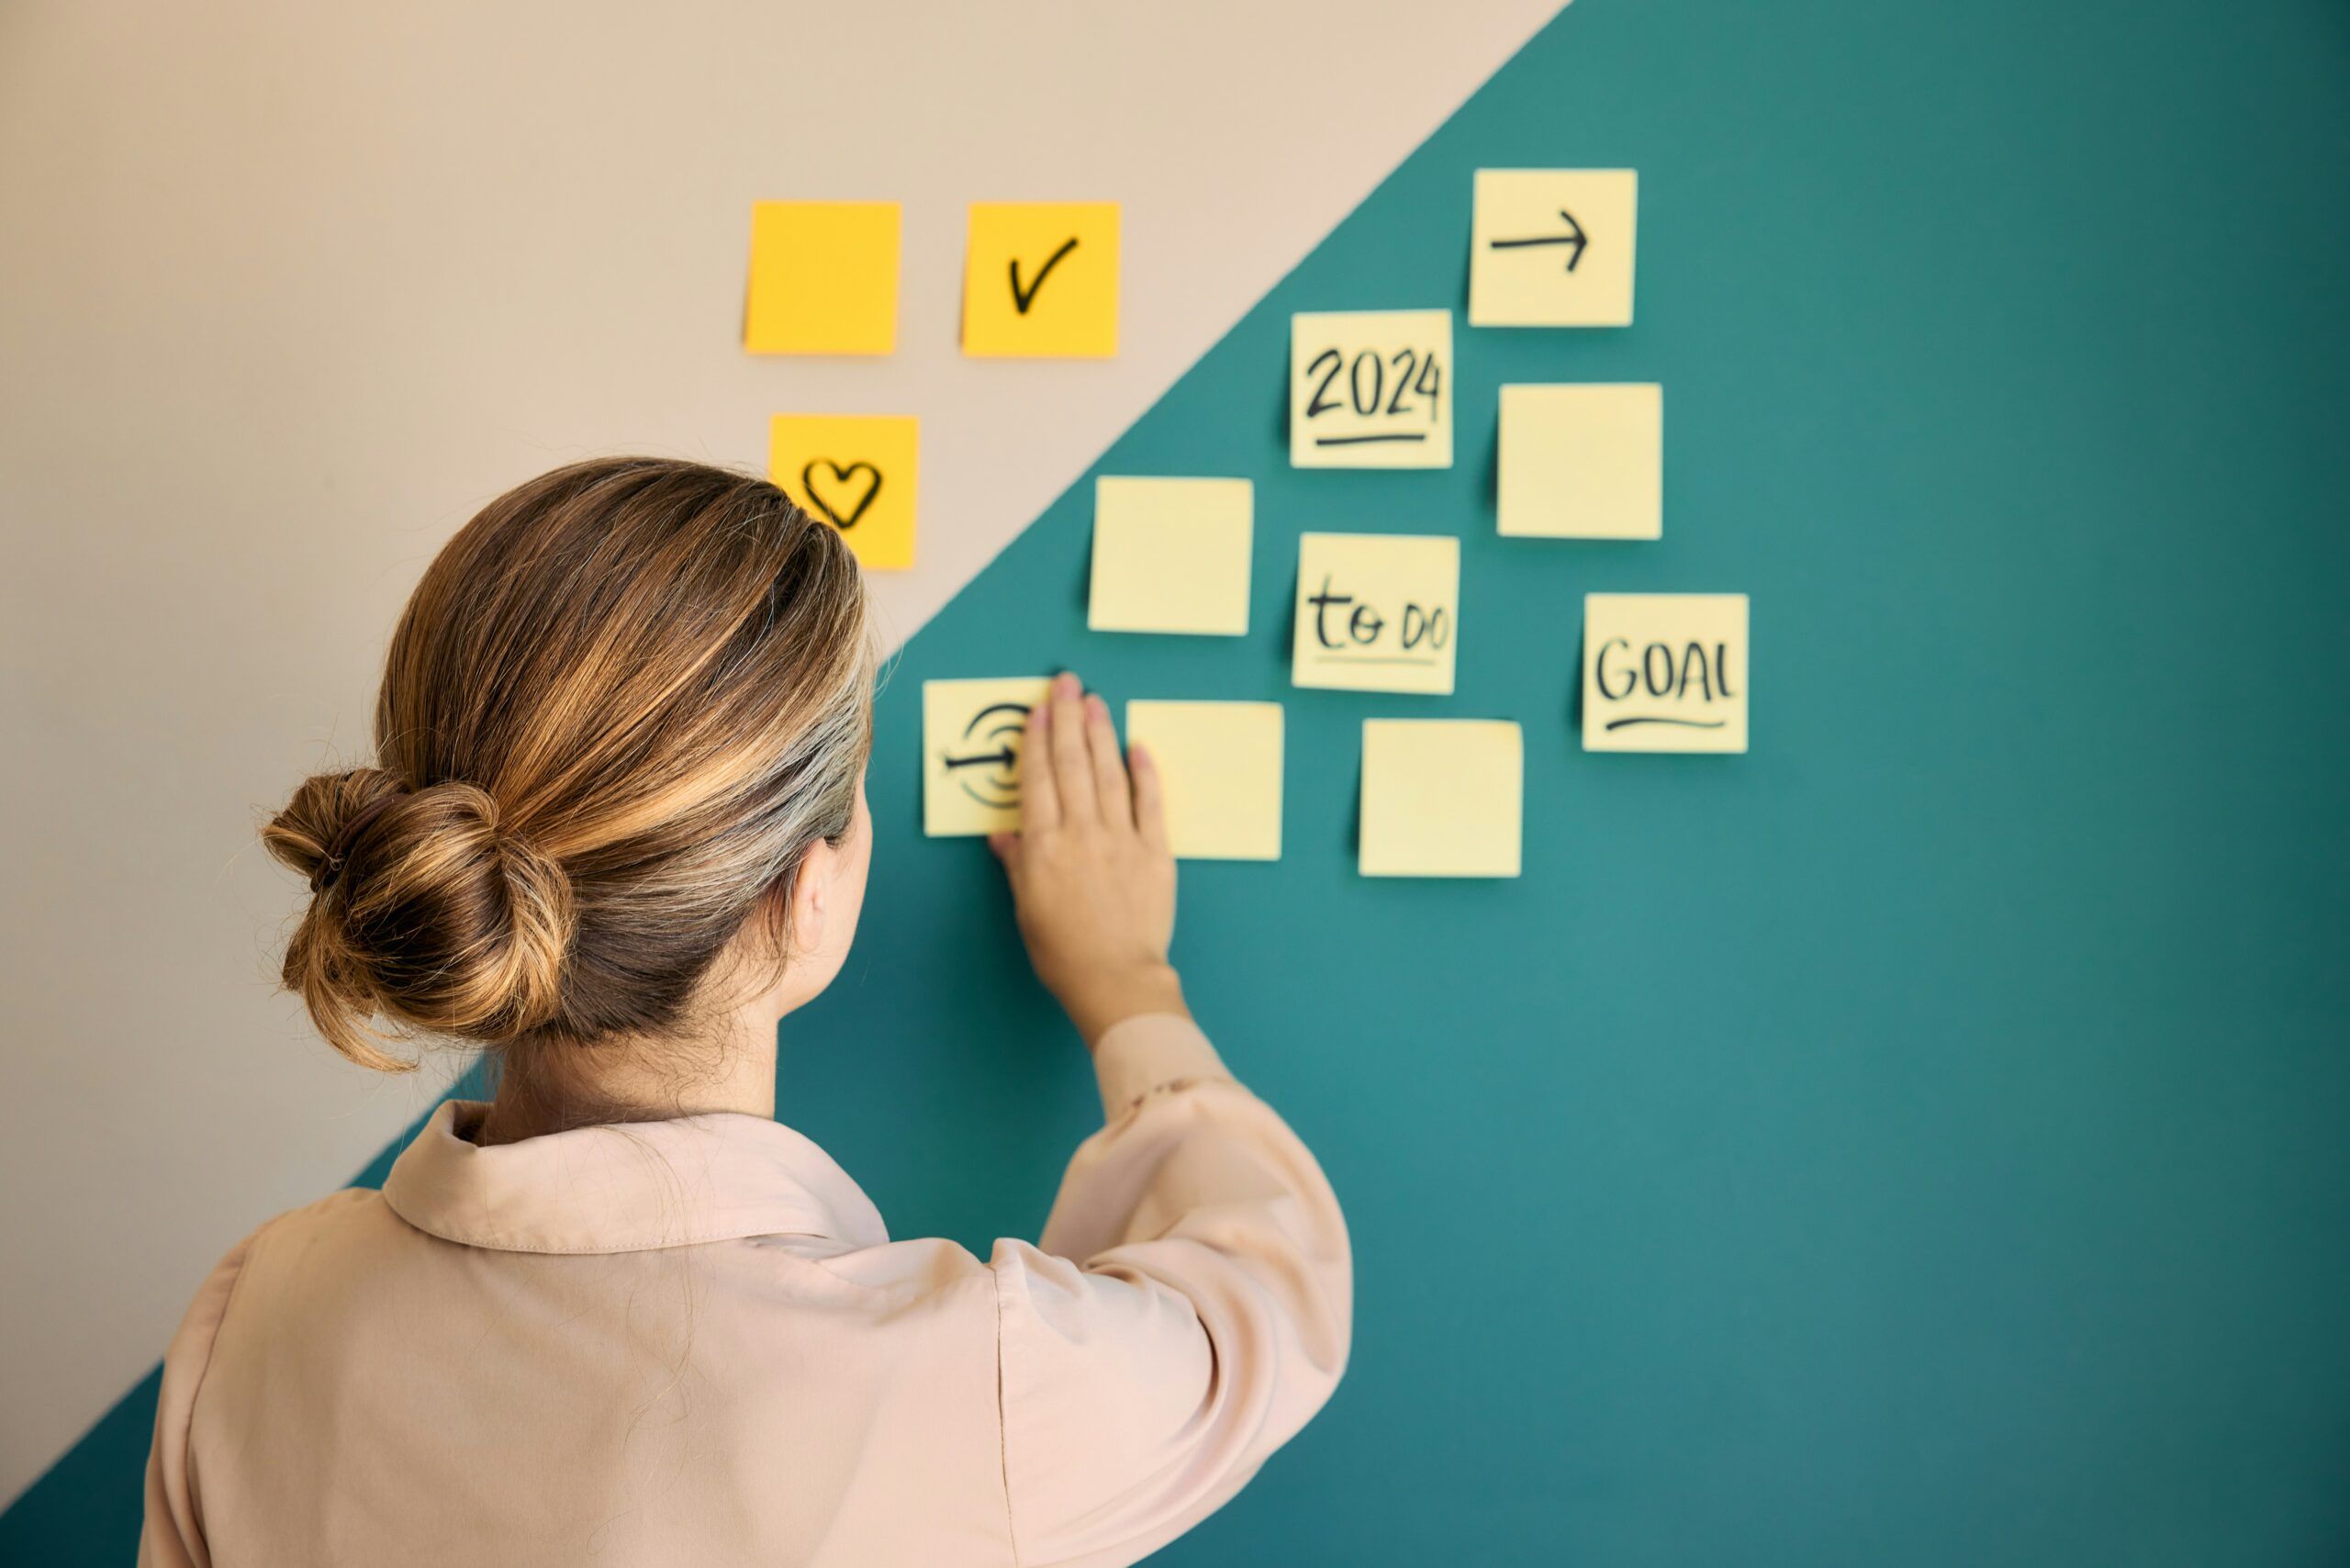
[
  {"x": 855, "y": 471},
  {"x": 1040, "y": 280},
  {"x": 1552, "y": 247},
  {"x": 971, "y": 735}
]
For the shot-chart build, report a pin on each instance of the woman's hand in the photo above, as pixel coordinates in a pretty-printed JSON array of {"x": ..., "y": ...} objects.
[{"x": 1092, "y": 881}]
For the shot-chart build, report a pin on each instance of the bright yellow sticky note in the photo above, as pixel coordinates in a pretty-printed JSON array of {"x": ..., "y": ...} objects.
[
  {"x": 1371, "y": 389},
  {"x": 857, "y": 473},
  {"x": 823, "y": 277},
  {"x": 1441, "y": 796},
  {"x": 1664, "y": 672},
  {"x": 1040, "y": 280},
  {"x": 1583, "y": 462},
  {"x": 1221, "y": 765},
  {"x": 971, "y": 732},
  {"x": 1376, "y": 611},
  {"x": 1171, "y": 555},
  {"x": 1552, "y": 247}
]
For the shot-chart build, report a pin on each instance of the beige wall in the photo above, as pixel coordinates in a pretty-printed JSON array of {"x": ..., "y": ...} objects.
[{"x": 288, "y": 290}]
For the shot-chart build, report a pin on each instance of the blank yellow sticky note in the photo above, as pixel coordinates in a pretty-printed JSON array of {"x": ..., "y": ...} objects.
[
  {"x": 971, "y": 731},
  {"x": 1552, "y": 247},
  {"x": 1441, "y": 796},
  {"x": 1171, "y": 555},
  {"x": 1040, "y": 280},
  {"x": 1376, "y": 611},
  {"x": 1371, "y": 389},
  {"x": 857, "y": 473},
  {"x": 1664, "y": 672},
  {"x": 1583, "y": 462},
  {"x": 1221, "y": 765},
  {"x": 823, "y": 277}
]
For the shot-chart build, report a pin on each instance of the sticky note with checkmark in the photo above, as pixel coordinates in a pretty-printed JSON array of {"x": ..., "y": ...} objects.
[
  {"x": 823, "y": 278},
  {"x": 857, "y": 472},
  {"x": 1040, "y": 280}
]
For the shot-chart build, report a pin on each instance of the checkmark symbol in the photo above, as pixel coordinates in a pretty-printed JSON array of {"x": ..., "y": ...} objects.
[{"x": 1023, "y": 297}]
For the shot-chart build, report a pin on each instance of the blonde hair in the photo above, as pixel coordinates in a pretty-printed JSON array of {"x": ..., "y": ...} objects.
[{"x": 624, "y": 701}]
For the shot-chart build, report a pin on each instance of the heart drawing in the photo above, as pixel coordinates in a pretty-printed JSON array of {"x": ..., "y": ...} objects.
[{"x": 846, "y": 502}]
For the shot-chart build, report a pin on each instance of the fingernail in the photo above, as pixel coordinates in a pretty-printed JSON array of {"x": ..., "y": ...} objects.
[
  {"x": 1041, "y": 714},
  {"x": 1137, "y": 755},
  {"x": 1095, "y": 705},
  {"x": 1065, "y": 684}
]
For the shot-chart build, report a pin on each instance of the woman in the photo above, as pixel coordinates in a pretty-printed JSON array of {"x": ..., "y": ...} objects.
[{"x": 616, "y": 830}]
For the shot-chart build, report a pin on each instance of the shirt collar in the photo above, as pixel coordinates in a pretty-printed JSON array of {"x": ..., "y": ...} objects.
[{"x": 627, "y": 1187}]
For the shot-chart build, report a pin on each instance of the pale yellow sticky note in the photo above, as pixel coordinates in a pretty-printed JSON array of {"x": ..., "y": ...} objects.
[
  {"x": 1040, "y": 280},
  {"x": 1441, "y": 796},
  {"x": 1552, "y": 247},
  {"x": 823, "y": 277},
  {"x": 1376, "y": 611},
  {"x": 857, "y": 473},
  {"x": 1371, "y": 389},
  {"x": 1664, "y": 672},
  {"x": 971, "y": 734},
  {"x": 1171, "y": 555},
  {"x": 1583, "y": 462},
  {"x": 1220, "y": 764}
]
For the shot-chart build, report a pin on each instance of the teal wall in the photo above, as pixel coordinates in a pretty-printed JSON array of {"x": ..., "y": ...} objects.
[{"x": 1923, "y": 1140}]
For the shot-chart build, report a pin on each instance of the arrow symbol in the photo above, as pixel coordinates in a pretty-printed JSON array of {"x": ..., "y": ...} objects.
[
  {"x": 1007, "y": 756},
  {"x": 1574, "y": 236}
]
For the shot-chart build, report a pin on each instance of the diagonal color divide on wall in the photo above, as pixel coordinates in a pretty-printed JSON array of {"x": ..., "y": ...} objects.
[{"x": 1870, "y": 1149}]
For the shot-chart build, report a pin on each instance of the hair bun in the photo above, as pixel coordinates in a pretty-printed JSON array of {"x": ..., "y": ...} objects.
[{"x": 428, "y": 913}]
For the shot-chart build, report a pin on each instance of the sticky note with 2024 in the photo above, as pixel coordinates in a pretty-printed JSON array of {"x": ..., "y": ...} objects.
[
  {"x": 1376, "y": 611},
  {"x": 1664, "y": 672},
  {"x": 1371, "y": 389}
]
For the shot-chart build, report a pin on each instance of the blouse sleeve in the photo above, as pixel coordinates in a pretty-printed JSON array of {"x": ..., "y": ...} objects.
[
  {"x": 172, "y": 1534},
  {"x": 1188, "y": 1310}
]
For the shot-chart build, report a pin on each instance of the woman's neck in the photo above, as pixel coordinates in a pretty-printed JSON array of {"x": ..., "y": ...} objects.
[{"x": 559, "y": 1086}]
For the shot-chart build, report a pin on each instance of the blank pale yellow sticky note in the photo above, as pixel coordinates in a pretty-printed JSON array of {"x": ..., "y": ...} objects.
[
  {"x": 823, "y": 277},
  {"x": 1552, "y": 247},
  {"x": 971, "y": 732},
  {"x": 1221, "y": 765},
  {"x": 1371, "y": 389},
  {"x": 1441, "y": 796},
  {"x": 1040, "y": 280},
  {"x": 857, "y": 473},
  {"x": 1376, "y": 611},
  {"x": 1171, "y": 555},
  {"x": 1583, "y": 462},
  {"x": 1664, "y": 672}
]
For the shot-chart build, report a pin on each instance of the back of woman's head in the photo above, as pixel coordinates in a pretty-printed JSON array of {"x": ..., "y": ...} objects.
[{"x": 620, "y": 708}]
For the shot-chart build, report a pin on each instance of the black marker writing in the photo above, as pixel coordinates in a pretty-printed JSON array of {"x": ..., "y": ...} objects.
[
  {"x": 1023, "y": 297},
  {"x": 1419, "y": 628},
  {"x": 837, "y": 508},
  {"x": 1663, "y": 672},
  {"x": 1574, "y": 237},
  {"x": 994, "y": 777},
  {"x": 1378, "y": 386}
]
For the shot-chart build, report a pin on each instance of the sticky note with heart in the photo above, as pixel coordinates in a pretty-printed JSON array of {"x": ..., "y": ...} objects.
[
  {"x": 1552, "y": 247},
  {"x": 1040, "y": 280},
  {"x": 857, "y": 473}
]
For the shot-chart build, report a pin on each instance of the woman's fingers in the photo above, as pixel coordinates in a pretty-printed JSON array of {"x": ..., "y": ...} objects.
[
  {"x": 1040, "y": 802},
  {"x": 1116, "y": 800},
  {"x": 1072, "y": 768},
  {"x": 1150, "y": 802}
]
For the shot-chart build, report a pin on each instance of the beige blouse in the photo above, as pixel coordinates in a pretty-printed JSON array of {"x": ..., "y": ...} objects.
[{"x": 693, "y": 1342}]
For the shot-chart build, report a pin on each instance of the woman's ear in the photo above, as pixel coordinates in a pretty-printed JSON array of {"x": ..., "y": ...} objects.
[{"x": 811, "y": 892}]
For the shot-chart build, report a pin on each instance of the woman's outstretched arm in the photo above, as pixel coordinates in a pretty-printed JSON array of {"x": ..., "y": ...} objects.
[{"x": 1188, "y": 1307}]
